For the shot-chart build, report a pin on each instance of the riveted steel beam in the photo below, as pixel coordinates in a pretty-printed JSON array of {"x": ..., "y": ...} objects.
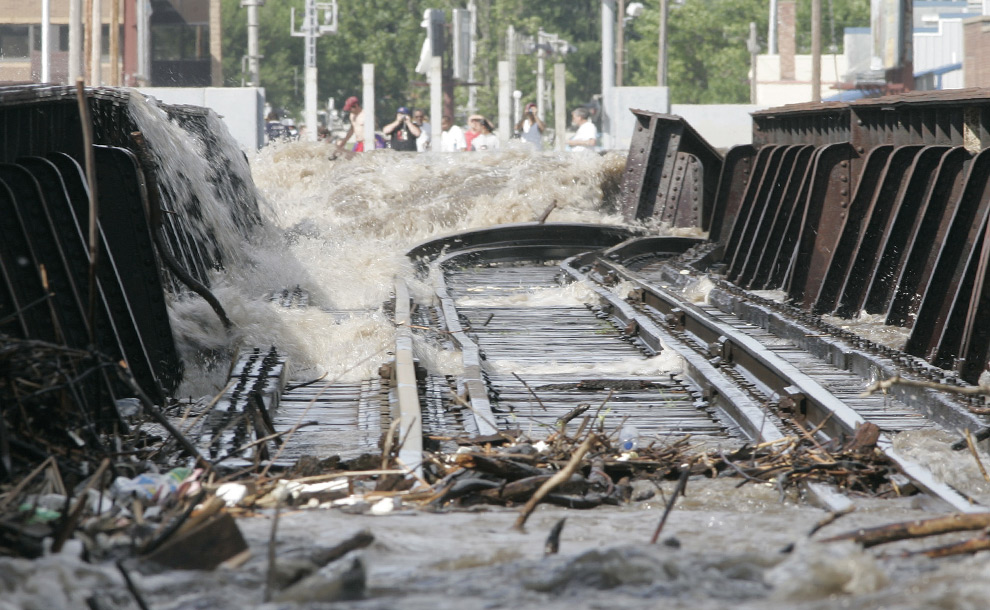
[
  {"x": 736, "y": 170},
  {"x": 671, "y": 172},
  {"x": 936, "y": 326},
  {"x": 876, "y": 219},
  {"x": 827, "y": 200}
]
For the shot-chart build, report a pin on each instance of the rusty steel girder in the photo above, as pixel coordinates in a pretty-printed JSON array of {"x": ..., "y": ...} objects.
[
  {"x": 44, "y": 251},
  {"x": 671, "y": 172},
  {"x": 880, "y": 205}
]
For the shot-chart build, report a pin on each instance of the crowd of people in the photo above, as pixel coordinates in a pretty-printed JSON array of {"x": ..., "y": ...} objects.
[{"x": 411, "y": 131}]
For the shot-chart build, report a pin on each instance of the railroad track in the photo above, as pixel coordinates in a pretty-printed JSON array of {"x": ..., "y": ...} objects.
[{"x": 751, "y": 370}]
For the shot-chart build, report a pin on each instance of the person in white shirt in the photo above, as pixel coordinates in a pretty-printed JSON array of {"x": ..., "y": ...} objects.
[
  {"x": 423, "y": 122},
  {"x": 485, "y": 140},
  {"x": 586, "y": 135},
  {"x": 452, "y": 138}
]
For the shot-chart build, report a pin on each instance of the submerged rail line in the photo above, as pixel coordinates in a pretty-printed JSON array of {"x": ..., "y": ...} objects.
[
  {"x": 880, "y": 205},
  {"x": 752, "y": 370}
]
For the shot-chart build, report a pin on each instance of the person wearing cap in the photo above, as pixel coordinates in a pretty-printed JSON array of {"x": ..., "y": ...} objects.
[
  {"x": 356, "y": 129},
  {"x": 402, "y": 132},
  {"x": 530, "y": 128},
  {"x": 486, "y": 139},
  {"x": 473, "y": 129}
]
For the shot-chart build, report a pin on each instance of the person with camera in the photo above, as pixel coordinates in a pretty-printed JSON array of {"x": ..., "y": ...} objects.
[
  {"x": 402, "y": 132},
  {"x": 531, "y": 128}
]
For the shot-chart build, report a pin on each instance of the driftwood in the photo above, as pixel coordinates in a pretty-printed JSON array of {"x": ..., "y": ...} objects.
[
  {"x": 555, "y": 480},
  {"x": 915, "y": 529},
  {"x": 968, "y": 547}
]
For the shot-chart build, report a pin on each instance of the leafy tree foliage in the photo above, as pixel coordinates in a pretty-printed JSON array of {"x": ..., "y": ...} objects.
[
  {"x": 387, "y": 33},
  {"x": 708, "y": 60}
]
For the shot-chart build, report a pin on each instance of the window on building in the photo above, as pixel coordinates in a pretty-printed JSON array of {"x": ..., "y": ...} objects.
[
  {"x": 15, "y": 42},
  {"x": 175, "y": 42},
  {"x": 59, "y": 38},
  {"x": 63, "y": 38}
]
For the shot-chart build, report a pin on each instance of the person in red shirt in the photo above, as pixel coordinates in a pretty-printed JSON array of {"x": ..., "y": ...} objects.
[{"x": 473, "y": 129}]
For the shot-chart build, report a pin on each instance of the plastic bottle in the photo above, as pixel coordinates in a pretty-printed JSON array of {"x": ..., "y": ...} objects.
[{"x": 628, "y": 438}]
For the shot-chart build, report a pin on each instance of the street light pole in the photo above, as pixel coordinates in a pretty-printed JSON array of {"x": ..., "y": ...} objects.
[
  {"x": 46, "y": 51},
  {"x": 816, "y": 50},
  {"x": 662, "y": 55},
  {"x": 541, "y": 72},
  {"x": 620, "y": 42},
  {"x": 311, "y": 30},
  {"x": 608, "y": 69},
  {"x": 254, "y": 79}
]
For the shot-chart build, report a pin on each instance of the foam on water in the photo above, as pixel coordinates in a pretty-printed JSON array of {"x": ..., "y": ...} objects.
[
  {"x": 666, "y": 362},
  {"x": 872, "y": 327},
  {"x": 339, "y": 228},
  {"x": 575, "y": 294}
]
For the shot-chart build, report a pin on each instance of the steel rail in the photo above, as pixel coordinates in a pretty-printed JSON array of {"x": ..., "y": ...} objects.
[
  {"x": 819, "y": 406},
  {"x": 521, "y": 241},
  {"x": 731, "y": 402},
  {"x": 407, "y": 392}
]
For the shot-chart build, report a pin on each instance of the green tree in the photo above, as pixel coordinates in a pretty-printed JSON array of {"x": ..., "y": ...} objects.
[
  {"x": 708, "y": 61},
  {"x": 387, "y": 33},
  {"x": 707, "y": 57},
  {"x": 837, "y": 15}
]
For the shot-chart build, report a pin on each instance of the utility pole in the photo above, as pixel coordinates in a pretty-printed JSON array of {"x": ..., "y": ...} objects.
[
  {"x": 75, "y": 41},
  {"x": 541, "y": 73},
  {"x": 46, "y": 50},
  {"x": 216, "y": 44},
  {"x": 620, "y": 42},
  {"x": 545, "y": 45},
  {"x": 662, "y": 55},
  {"x": 472, "y": 91},
  {"x": 608, "y": 70},
  {"x": 753, "y": 46},
  {"x": 254, "y": 80},
  {"x": 816, "y": 50},
  {"x": 772, "y": 34},
  {"x": 114, "y": 80},
  {"x": 96, "y": 44},
  {"x": 559, "y": 106},
  {"x": 511, "y": 47},
  {"x": 311, "y": 30}
]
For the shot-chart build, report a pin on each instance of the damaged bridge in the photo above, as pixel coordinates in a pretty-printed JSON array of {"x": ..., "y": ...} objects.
[{"x": 879, "y": 205}]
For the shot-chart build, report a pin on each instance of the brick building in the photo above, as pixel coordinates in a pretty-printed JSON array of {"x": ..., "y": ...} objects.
[
  {"x": 159, "y": 42},
  {"x": 976, "y": 51}
]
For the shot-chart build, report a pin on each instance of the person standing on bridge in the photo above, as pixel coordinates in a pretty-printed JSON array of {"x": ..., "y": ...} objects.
[
  {"x": 486, "y": 138},
  {"x": 422, "y": 121},
  {"x": 452, "y": 138},
  {"x": 402, "y": 132},
  {"x": 586, "y": 135},
  {"x": 356, "y": 129},
  {"x": 531, "y": 128}
]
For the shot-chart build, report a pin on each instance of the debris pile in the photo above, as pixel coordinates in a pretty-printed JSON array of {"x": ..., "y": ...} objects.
[{"x": 129, "y": 486}]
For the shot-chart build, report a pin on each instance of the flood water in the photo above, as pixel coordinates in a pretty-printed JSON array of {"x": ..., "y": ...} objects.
[{"x": 339, "y": 228}]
